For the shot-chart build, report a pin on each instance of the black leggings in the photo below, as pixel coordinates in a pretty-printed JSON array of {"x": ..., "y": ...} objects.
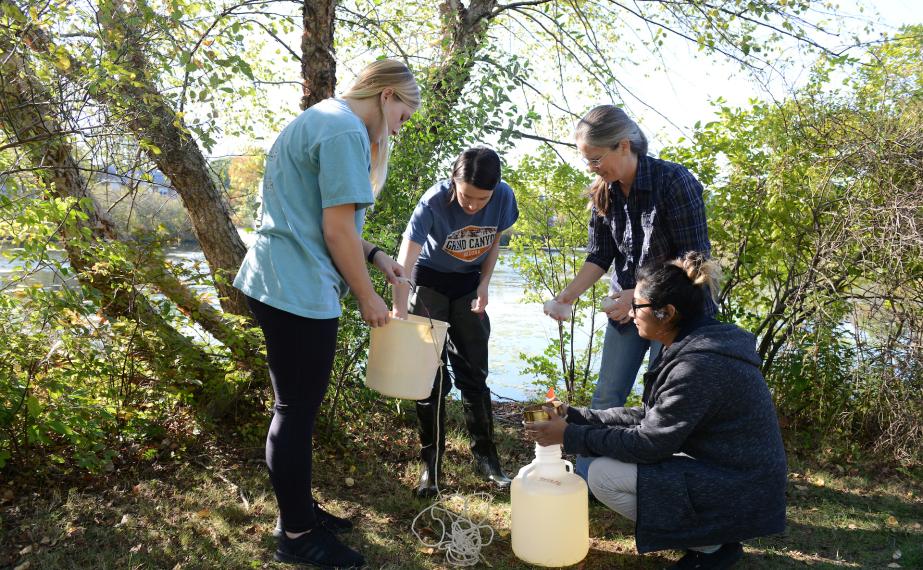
[{"x": 300, "y": 353}]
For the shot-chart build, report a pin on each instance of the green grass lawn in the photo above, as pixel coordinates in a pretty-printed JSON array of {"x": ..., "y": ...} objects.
[{"x": 204, "y": 505}]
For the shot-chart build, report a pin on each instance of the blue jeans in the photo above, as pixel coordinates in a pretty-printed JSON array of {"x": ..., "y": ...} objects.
[{"x": 623, "y": 352}]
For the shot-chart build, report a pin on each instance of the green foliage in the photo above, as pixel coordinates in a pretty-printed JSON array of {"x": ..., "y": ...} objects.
[
  {"x": 549, "y": 234},
  {"x": 73, "y": 387},
  {"x": 77, "y": 386},
  {"x": 814, "y": 209},
  {"x": 143, "y": 208}
]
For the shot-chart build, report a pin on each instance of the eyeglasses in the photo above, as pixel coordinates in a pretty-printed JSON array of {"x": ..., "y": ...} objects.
[
  {"x": 635, "y": 306},
  {"x": 595, "y": 162}
]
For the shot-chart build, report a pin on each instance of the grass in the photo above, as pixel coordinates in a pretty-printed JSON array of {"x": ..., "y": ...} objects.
[{"x": 204, "y": 505}]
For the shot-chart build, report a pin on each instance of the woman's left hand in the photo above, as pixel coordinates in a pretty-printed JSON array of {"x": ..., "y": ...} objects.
[
  {"x": 619, "y": 310},
  {"x": 479, "y": 305},
  {"x": 550, "y": 432},
  {"x": 393, "y": 270}
]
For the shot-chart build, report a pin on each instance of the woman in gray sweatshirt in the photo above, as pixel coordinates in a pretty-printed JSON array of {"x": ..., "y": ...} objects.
[{"x": 700, "y": 465}]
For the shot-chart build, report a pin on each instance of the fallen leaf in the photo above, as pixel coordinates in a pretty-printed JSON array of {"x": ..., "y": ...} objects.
[
  {"x": 851, "y": 526},
  {"x": 428, "y": 550},
  {"x": 136, "y": 490},
  {"x": 894, "y": 565},
  {"x": 26, "y": 550},
  {"x": 204, "y": 513},
  {"x": 892, "y": 520},
  {"x": 72, "y": 530},
  {"x": 917, "y": 526},
  {"x": 45, "y": 540},
  {"x": 24, "y": 566},
  {"x": 136, "y": 548},
  {"x": 349, "y": 481},
  {"x": 125, "y": 520},
  {"x": 897, "y": 554}
]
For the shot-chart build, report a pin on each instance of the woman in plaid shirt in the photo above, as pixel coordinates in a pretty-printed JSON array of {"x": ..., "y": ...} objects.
[{"x": 643, "y": 210}]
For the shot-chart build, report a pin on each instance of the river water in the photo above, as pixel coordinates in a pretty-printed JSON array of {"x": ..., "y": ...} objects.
[{"x": 516, "y": 326}]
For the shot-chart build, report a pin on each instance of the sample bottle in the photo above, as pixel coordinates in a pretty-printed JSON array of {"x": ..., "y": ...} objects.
[{"x": 550, "y": 511}]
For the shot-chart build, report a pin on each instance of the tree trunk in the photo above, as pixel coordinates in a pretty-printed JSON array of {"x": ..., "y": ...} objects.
[
  {"x": 26, "y": 114},
  {"x": 153, "y": 121},
  {"x": 318, "y": 66},
  {"x": 464, "y": 32}
]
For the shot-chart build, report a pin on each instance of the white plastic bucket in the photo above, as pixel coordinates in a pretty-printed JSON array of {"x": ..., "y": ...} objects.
[{"x": 404, "y": 356}]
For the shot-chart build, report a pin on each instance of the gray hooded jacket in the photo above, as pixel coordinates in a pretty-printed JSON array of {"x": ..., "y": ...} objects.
[{"x": 704, "y": 398}]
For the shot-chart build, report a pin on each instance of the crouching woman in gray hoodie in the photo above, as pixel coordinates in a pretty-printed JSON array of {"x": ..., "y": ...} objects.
[{"x": 700, "y": 465}]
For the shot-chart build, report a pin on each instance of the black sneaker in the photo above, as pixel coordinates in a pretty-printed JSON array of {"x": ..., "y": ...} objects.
[
  {"x": 724, "y": 557},
  {"x": 329, "y": 521},
  {"x": 319, "y": 547}
]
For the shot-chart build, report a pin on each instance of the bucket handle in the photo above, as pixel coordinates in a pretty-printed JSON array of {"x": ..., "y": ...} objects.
[{"x": 568, "y": 466}]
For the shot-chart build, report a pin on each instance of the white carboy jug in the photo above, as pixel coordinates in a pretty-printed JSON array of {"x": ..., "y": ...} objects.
[{"x": 550, "y": 511}]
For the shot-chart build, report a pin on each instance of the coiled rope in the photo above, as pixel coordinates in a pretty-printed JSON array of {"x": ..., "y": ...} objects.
[{"x": 459, "y": 536}]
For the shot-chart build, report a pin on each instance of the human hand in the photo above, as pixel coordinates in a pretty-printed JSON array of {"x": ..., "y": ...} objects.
[
  {"x": 479, "y": 305},
  {"x": 560, "y": 408},
  {"x": 557, "y": 310},
  {"x": 546, "y": 433},
  {"x": 393, "y": 270},
  {"x": 374, "y": 311},
  {"x": 618, "y": 305}
]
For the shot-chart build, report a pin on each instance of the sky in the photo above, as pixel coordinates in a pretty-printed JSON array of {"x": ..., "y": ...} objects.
[
  {"x": 672, "y": 102},
  {"x": 683, "y": 96}
]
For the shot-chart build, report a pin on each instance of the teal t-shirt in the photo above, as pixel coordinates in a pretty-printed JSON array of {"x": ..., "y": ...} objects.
[{"x": 321, "y": 159}]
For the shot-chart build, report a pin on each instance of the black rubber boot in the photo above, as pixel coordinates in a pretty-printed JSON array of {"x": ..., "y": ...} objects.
[
  {"x": 479, "y": 418},
  {"x": 431, "y": 429}
]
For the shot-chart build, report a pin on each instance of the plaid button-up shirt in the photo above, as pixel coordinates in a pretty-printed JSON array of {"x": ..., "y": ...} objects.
[{"x": 662, "y": 218}]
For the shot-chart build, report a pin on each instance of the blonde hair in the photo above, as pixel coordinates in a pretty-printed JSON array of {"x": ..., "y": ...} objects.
[
  {"x": 375, "y": 78},
  {"x": 605, "y": 126}
]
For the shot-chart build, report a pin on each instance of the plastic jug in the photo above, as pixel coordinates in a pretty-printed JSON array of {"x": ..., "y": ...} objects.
[
  {"x": 550, "y": 511},
  {"x": 404, "y": 356}
]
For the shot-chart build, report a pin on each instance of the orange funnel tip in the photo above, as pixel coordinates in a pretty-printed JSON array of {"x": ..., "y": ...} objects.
[{"x": 549, "y": 397}]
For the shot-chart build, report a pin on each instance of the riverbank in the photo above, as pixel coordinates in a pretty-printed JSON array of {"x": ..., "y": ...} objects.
[{"x": 207, "y": 504}]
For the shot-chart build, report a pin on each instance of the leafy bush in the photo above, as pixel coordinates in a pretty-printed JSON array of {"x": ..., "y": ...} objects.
[{"x": 552, "y": 228}]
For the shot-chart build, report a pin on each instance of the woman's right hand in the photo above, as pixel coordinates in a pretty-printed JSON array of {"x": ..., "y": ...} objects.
[
  {"x": 374, "y": 311},
  {"x": 557, "y": 310}
]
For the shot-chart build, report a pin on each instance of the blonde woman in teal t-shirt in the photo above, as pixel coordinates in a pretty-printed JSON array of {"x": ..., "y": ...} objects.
[{"x": 322, "y": 173}]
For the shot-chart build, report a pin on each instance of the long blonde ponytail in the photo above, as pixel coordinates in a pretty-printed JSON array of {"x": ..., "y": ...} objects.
[{"x": 375, "y": 78}]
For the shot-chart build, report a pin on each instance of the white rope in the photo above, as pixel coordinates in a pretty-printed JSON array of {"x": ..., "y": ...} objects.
[{"x": 460, "y": 537}]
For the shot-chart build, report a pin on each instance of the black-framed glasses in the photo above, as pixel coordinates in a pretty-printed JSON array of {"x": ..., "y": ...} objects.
[{"x": 635, "y": 306}]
